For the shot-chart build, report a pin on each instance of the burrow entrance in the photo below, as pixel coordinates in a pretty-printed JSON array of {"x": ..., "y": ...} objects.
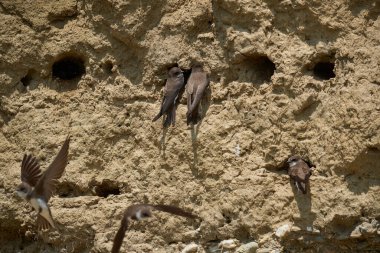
[
  {"x": 322, "y": 67},
  {"x": 324, "y": 70},
  {"x": 68, "y": 68},
  {"x": 256, "y": 69}
]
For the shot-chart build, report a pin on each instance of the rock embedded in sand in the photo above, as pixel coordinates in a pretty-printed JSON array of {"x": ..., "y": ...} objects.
[{"x": 250, "y": 247}]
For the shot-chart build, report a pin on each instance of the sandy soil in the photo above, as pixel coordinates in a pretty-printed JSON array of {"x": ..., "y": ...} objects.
[{"x": 287, "y": 77}]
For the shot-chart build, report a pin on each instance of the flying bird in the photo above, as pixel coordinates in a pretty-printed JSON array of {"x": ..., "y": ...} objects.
[
  {"x": 174, "y": 85},
  {"x": 37, "y": 188},
  {"x": 195, "y": 88},
  {"x": 139, "y": 212},
  {"x": 299, "y": 171}
]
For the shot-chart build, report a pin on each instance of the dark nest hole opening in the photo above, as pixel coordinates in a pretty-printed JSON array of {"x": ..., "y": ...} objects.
[
  {"x": 27, "y": 79},
  {"x": 324, "y": 70},
  {"x": 265, "y": 68},
  {"x": 322, "y": 67},
  {"x": 186, "y": 74},
  {"x": 68, "y": 68},
  {"x": 108, "y": 66},
  {"x": 228, "y": 216},
  {"x": 106, "y": 188},
  {"x": 257, "y": 69}
]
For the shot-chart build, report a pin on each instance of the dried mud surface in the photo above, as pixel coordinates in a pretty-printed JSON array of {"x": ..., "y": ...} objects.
[{"x": 268, "y": 100}]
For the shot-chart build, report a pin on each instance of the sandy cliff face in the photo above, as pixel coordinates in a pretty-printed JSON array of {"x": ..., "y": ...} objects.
[{"x": 286, "y": 77}]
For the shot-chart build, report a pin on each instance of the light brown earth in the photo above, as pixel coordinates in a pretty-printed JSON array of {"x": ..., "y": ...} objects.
[{"x": 230, "y": 172}]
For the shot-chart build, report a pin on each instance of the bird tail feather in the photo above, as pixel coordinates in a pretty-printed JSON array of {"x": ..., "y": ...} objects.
[
  {"x": 302, "y": 187},
  {"x": 157, "y": 117}
]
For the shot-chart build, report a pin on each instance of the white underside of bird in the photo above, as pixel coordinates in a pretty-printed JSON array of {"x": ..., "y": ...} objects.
[
  {"x": 139, "y": 215},
  {"x": 42, "y": 209}
]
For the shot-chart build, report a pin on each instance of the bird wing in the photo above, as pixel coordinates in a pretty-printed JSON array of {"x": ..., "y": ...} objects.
[
  {"x": 190, "y": 85},
  {"x": 118, "y": 241},
  {"x": 304, "y": 173},
  {"x": 292, "y": 171},
  {"x": 171, "y": 93},
  {"x": 42, "y": 223},
  {"x": 189, "y": 91},
  {"x": 30, "y": 170},
  {"x": 201, "y": 82},
  {"x": 302, "y": 187},
  {"x": 46, "y": 185},
  {"x": 174, "y": 210},
  {"x": 299, "y": 172}
]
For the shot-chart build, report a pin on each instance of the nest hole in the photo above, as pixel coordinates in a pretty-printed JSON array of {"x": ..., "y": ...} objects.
[
  {"x": 265, "y": 68},
  {"x": 108, "y": 66},
  {"x": 107, "y": 188},
  {"x": 257, "y": 69},
  {"x": 186, "y": 74},
  {"x": 69, "y": 68},
  {"x": 27, "y": 79},
  {"x": 324, "y": 70},
  {"x": 227, "y": 218}
]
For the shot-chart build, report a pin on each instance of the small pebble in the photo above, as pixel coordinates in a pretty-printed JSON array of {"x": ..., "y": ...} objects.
[
  {"x": 355, "y": 234},
  {"x": 228, "y": 244},
  {"x": 247, "y": 248},
  {"x": 190, "y": 248},
  {"x": 283, "y": 230}
]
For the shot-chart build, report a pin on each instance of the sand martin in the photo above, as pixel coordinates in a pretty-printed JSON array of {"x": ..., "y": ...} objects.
[
  {"x": 37, "y": 188},
  {"x": 299, "y": 171},
  {"x": 195, "y": 88},
  {"x": 174, "y": 85},
  {"x": 139, "y": 212}
]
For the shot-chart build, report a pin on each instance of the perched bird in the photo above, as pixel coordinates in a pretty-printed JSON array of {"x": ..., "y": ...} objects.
[
  {"x": 139, "y": 212},
  {"x": 299, "y": 171},
  {"x": 195, "y": 88},
  {"x": 37, "y": 188},
  {"x": 174, "y": 85}
]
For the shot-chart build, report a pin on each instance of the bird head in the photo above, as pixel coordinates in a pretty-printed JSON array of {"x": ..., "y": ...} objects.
[
  {"x": 293, "y": 160},
  {"x": 23, "y": 189},
  {"x": 175, "y": 72}
]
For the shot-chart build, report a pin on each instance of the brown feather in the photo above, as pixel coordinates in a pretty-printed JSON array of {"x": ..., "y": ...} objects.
[
  {"x": 300, "y": 173},
  {"x": 42, "y": 223},
  {"x": 46, "y": 185},
  {"x": 118, "y": 241},
  {"x": 30, "y": 170},
  {"x": 132, "y": 211},
  {"x": 172, "y": 92},
  {"x": 195, "y": 89}
]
